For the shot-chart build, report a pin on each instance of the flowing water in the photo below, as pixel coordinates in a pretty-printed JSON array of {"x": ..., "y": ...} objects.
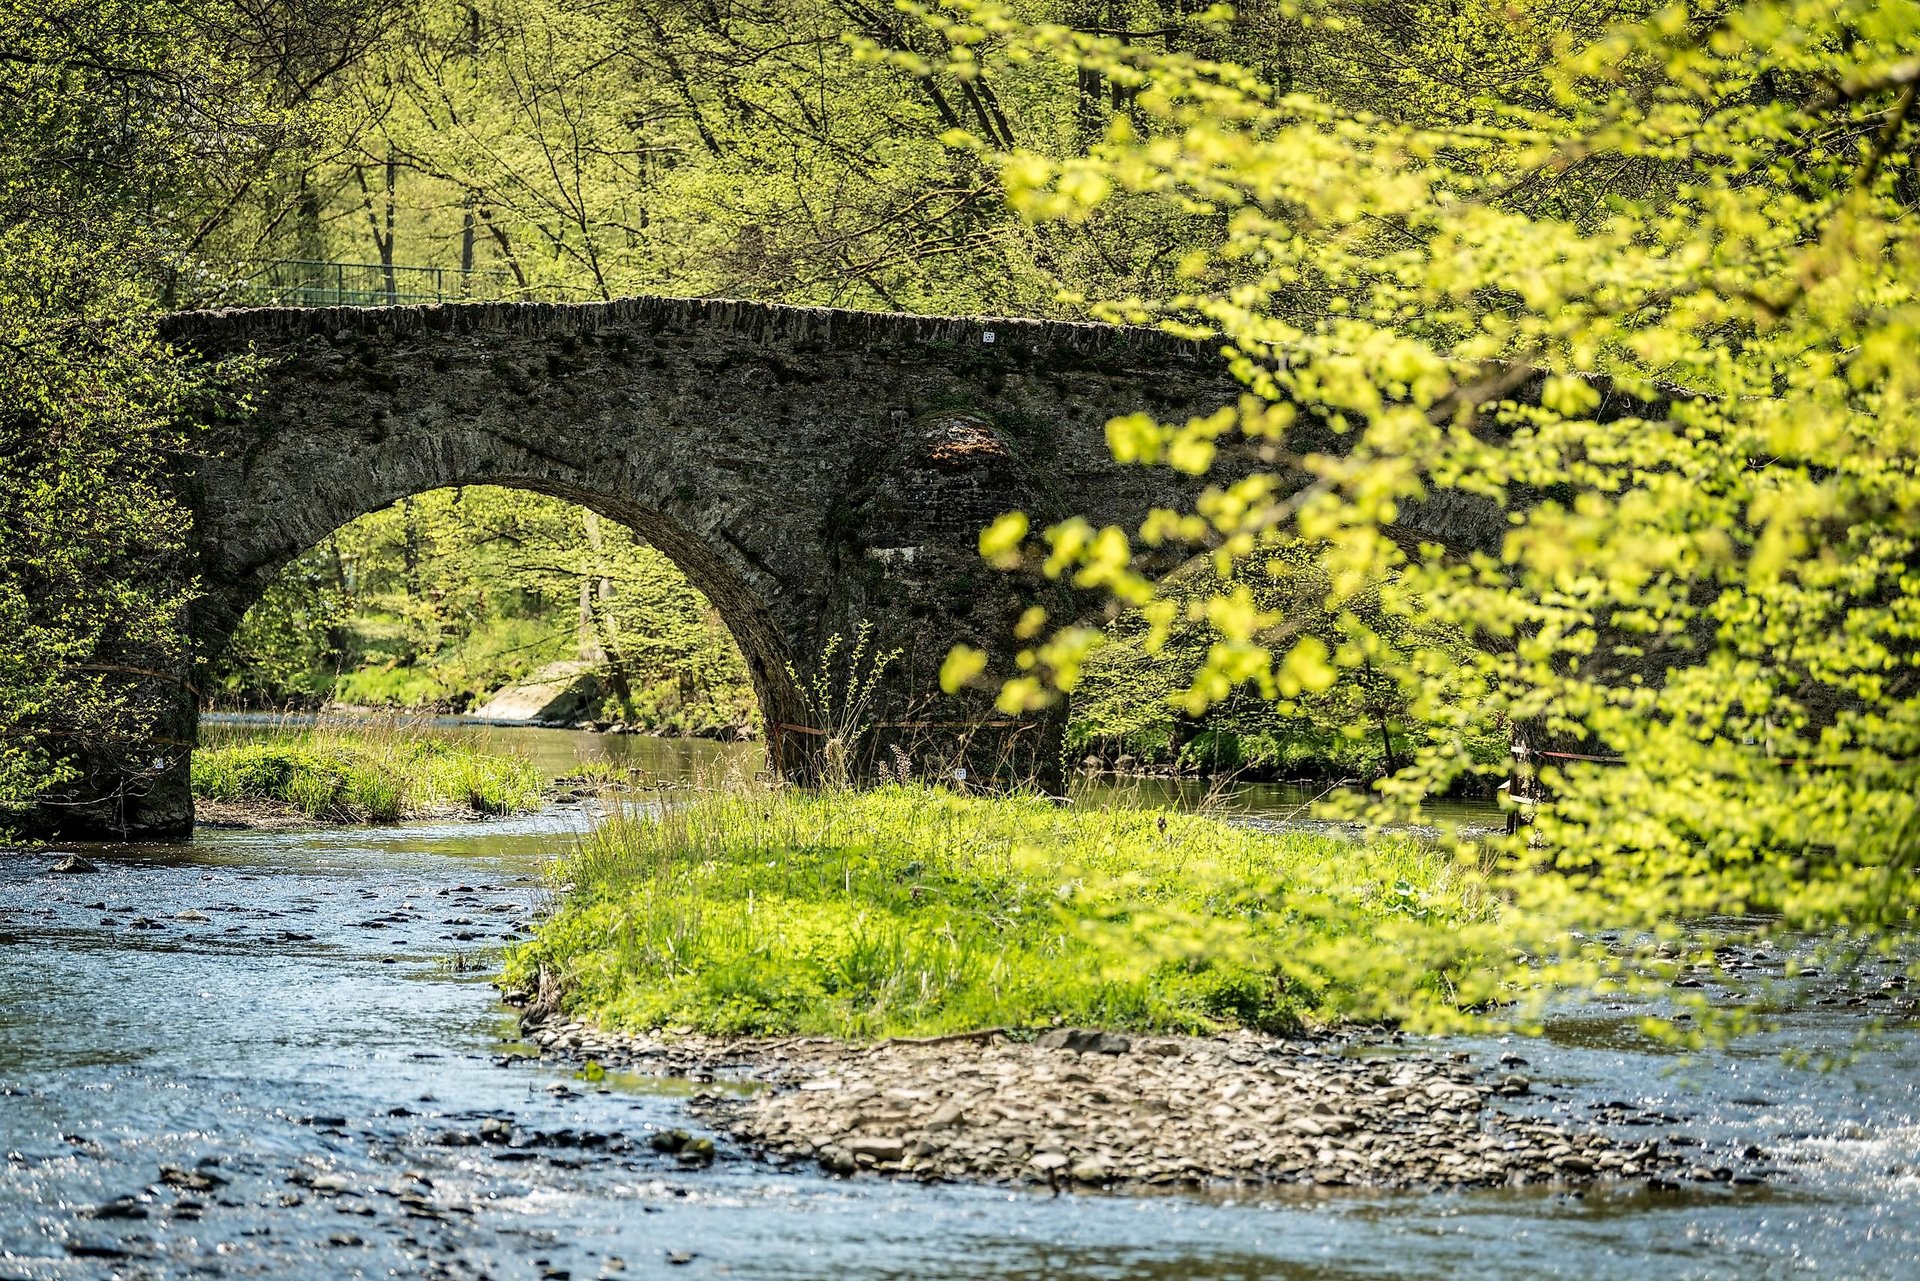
[{"x": 285, "y": 1089}]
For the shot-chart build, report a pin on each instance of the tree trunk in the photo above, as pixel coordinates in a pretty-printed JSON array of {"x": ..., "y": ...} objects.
[
  {"x": 386, "y": 240},
  {"x": 467, "y": 226},
  {"x": 410, "y": 569},
  {"x": 1522, "y": 787},
  {"x": 596, "y": 622}
]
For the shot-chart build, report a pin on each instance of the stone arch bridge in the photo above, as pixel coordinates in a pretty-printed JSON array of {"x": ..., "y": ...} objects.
[{"x": 810, "y": 470}]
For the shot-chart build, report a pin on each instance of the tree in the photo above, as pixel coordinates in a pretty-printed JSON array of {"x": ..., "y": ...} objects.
[
  {"x": 792, "y": 151},
  {"x": 1648, "y": 306},
  {"x": 119, "y": 117}
]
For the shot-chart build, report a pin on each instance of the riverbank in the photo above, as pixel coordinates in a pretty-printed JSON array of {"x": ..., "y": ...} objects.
[
  {"x": 364, "y": 774},
  {"x": 957, "y": 988}
]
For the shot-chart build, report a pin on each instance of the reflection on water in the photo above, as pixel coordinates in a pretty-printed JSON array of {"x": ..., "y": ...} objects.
[{"x": 311, "y": 1062}]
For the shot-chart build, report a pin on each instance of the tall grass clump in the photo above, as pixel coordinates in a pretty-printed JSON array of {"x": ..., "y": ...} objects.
[
  {"x": 908, "y": 910},
  {"x": 370, "y": 774}
]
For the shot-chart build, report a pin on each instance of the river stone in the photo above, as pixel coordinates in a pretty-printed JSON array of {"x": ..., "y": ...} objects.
[
  {"x": 1234, "y": 1107},
  {"x": 124, "y": 1207},
  {"x": 881, "y": 1149},
  {"x": 74, "y": 863},
  {"x": 1084, "y": 1041},
  {"x": 1090, "y": 1172},
  {"x": 668, "y": 1141},
  {"x": 192, "y": 1180}
]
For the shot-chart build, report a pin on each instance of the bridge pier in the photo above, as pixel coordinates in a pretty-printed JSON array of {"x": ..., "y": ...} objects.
[{"x": 128, "y": 790}]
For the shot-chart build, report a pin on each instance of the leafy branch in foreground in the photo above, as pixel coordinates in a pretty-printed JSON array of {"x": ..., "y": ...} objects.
[{"x": 1654, "y": 321}]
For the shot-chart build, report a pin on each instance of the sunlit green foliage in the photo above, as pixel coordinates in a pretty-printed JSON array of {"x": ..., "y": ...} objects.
[
  {"x": 907, "y": 910},
  {"x": 109, "y": 112},
  {"x": 1642, "y": 306},
  {"x": 797, "y": 150},
  {"x": 1136, "y": 692},
  {"x": 366, "y": 775},
  {"x": 1618, "y": 297}
]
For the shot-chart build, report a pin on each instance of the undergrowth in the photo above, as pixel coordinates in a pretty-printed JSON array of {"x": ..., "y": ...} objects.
[
  {"x": 366, "y": 775},
  {"x": 915, "y": 911}
]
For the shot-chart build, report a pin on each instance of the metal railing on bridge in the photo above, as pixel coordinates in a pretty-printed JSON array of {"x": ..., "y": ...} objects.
[{"x": 302, "y": 282}]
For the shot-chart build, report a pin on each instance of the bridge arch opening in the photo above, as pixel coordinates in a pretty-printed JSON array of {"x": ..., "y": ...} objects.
[{"x": 529, "y": 601}]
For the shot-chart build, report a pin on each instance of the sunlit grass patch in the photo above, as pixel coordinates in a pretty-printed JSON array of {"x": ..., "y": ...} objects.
[
  {"x": 373, "y": 775},
  {"x": 914, "y": 911}
]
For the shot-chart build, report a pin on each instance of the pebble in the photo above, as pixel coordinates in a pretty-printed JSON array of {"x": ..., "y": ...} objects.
[
  {"x": 192, "y": 1180},
  {"x": 1084, "y": 1041},
  {"x": 1098, "y": 1109},
  {"x": 878, "y": 1149},
  {"x": 125, "y": 1207}
]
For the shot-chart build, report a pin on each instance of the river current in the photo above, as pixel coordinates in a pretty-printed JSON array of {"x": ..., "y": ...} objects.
[{"x": 264, "y": 1055}]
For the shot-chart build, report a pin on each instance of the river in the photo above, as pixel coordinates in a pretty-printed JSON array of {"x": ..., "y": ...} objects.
[{"x": 276, "y": 1090}]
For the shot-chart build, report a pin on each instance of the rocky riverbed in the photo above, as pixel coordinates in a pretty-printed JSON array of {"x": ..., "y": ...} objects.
[
  {"x": 1073, "y": 1107},
  {"x": 276, "y": 1055}
]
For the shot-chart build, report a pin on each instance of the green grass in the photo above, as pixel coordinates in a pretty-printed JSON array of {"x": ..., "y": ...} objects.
[
  {"x": 377, "y": 775},
  {"x": 914, "y": 911}
]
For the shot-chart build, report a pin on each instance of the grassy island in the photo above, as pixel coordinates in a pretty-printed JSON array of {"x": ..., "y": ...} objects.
[{"x": 915, "y": 911}]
